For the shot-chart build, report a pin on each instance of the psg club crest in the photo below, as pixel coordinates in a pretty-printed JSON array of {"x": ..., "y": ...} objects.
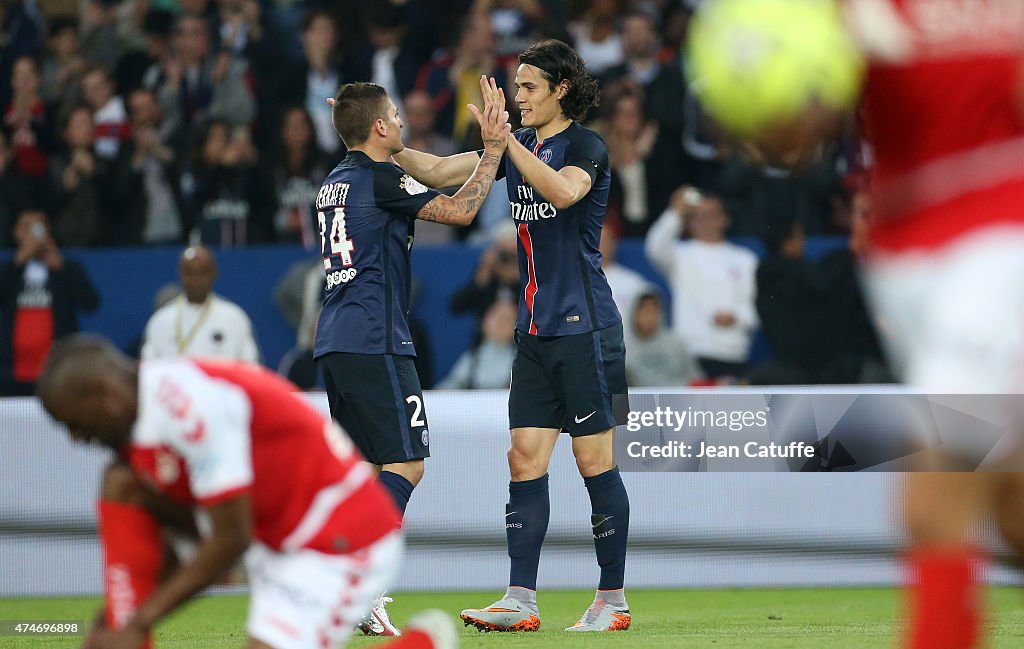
[
  {"x": 411, "y": 185},
  {"x": 545, "y": 156},
  {"x": 425, "y": 437}
]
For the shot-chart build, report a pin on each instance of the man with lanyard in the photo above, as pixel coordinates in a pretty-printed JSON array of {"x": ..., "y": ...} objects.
[{"x": 198, "y": 322}]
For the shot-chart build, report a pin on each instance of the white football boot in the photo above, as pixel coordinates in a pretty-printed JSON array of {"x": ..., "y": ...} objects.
[
  {"x": 602, "y": 616},
  {"x": 504, "y": 615},
  {"x": 377, "y": 621}
]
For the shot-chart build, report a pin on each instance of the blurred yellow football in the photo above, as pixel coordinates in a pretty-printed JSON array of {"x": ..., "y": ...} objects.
[{"x": 757, "y": 63}]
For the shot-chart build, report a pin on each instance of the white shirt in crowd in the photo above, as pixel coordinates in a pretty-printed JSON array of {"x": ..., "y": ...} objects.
[
  {"x": 706, "y": 278},
  {"x": 626, "y": 285},
  {"x": 216, "y": 328}
]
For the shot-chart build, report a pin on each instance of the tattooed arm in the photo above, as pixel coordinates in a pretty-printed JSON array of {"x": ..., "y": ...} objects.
[{"x": 461, "y": 208}]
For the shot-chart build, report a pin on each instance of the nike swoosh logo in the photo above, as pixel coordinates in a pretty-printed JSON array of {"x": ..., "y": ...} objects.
[
  {"x": 580, "y": 420},
  {"x": 601, "y": 522},
  {"x": 510, "y": 513}
]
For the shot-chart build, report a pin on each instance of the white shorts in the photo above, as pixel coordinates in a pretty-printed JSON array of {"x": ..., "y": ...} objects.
[
  {"x": 953, "y": 319},
  {"x": 309, "y": 600}
]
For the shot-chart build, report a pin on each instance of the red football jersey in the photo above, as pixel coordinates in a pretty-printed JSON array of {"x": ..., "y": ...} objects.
[
  {"x": 208, "y": 431},
  {"x": 944, "y": 114}
]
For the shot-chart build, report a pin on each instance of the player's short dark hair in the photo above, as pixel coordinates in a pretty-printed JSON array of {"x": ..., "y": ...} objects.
[
  {"x": 356, "y": 106},
  {"x": 558, "y": 62}
]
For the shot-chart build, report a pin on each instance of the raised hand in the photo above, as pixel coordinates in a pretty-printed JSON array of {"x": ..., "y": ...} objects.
[{"x": 493, "y": 120}]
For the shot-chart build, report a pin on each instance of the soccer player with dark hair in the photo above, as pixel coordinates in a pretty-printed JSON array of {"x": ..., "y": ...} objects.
[
  {"x": 569, "y": 367},
  {"x": 367, "y": 208}
]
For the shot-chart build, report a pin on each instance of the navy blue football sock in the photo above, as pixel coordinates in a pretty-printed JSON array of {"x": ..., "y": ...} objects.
[
  {"x": 526, "y": 523},
  {"x": 610, "y": 521},
  {"x": 399, "y": 488}
]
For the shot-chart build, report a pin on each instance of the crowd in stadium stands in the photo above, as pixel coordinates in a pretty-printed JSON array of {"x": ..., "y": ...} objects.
[{"x": 144, "y": 122}]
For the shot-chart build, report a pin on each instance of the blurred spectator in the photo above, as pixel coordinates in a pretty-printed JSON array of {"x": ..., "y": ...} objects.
[
  {"x": 419, "y": 121},
  {"x": 389, "y": 60},
  {"x": 101, "y": 42},
  {"x": 86, "y": 205},
  {"x": 518, "y": 23},
  {"x": 658, "y": 86},
  {"x": 488, "y": 365},
  {"x": 240, "y": 25},
  {"x": 496, "y": 277},
  {"x": 198, "y": 322},
  {"x": 813, "y": 315},
  {"x": 702, "y": 143},
  {"x": 640, "y": 47},
  {"x": 197, "y": 84},
  {"x": 62, "y": 67},
  {"x": 657, "y": 357},
  {"x": 41, "y": 294},
  {"x": 316, "y": 77},
  {"x": 418, "y": 133},
  {"x": 294, "y": 169},
  {"x": 300, "y": 296},
  {"x": 141, "y": 66},
  {"x": 711, "y": 279},
  {"x": 228, "y": 202},
  {"x": 289, "y": 293},
  {"x": 108, "y": 111},
  {"x": 675, "y": 24},
  {"x": 626, "y": 283},
  {"x": 284, "y": 26},
  {"x": 671, "y": 103},
  {"x": 597, "y": 37},
  {"x": 148, "y": 176},
  {"x": 28, "y": 121},
  {"x": 16, "y": 192},
  {"x": 765, "y": 196},
  {"x": 244, "y": 33},
  {"x": 630, "y": 137},
  {"x": 20, "y": 35},
  {"x": 453, "y": 79},
  {"x": 791, "y": 296}
]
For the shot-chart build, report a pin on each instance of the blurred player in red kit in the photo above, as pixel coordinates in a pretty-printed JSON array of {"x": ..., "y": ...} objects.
[
  {"x": 282, "y": 486},
  {"x": 943, "y": 109}
]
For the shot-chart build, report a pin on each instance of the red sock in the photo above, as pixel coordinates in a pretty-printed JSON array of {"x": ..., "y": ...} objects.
[
  {"x": 410, "y": 640},
  {"x": 944, "y": 598},
  {"x": 133, "y": 556}
]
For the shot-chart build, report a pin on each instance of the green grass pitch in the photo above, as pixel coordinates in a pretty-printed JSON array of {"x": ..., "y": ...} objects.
[{"x": 694, "y": 619}]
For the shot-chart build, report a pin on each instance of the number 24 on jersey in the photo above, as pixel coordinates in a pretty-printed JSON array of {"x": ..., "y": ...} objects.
[{"x": 340, "y": 243}]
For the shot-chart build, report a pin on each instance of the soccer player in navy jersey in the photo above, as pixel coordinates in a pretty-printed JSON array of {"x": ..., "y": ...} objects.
[
  {"x": 569, "y": 369},
  {"x": 367, "y": 208}
]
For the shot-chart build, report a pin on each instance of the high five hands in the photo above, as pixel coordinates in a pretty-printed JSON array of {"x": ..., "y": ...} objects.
[{"x": 493, "y": 120}]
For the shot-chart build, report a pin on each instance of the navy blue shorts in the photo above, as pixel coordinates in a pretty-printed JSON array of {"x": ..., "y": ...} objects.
[
  {"x": 377, "y": 399},
  {"x": 576, "y": 383}
]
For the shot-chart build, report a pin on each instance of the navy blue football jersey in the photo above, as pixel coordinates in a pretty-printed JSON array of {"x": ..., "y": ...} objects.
[
  {"x": 564, "y": 290},
  {"x": 367, "y": 214}
]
